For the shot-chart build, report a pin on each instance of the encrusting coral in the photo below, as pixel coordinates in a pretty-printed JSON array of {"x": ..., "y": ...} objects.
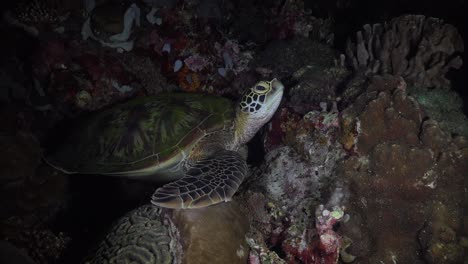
[{"x": 404, "y": 161}]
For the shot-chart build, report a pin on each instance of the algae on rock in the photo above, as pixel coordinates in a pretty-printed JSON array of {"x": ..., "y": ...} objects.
[{"x": 445, "y": 106}]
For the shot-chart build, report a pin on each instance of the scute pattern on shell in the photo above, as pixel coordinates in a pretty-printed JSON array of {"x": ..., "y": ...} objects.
[
  {"x": 142, "y": 132},
  {"x": 138, "y": 237}
]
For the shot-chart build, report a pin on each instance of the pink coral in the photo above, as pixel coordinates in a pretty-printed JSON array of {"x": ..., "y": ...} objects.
[
  {"x": 320, "y": 245},
  {"x": 196, "y": 62},
  {"x": 254, "y": 258},
  {"x": 282, "y": 122},
  {"x": 324, "y": 120}
]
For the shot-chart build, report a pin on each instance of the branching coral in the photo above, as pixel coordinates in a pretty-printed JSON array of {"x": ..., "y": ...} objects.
[{"x": 418, "y": 48}]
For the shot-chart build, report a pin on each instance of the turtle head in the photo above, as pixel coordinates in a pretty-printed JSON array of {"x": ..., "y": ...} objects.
[
  {"x": 261, "y": 101},
  {"x": 257, "y": 106}
]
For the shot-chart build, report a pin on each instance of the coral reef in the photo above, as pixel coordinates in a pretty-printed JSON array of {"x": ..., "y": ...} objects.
[
  {"x": 350, "y": 136},
  {"x": 36, "y": 12},
  {"x": 215, "y": 234},
  {"x": 86, "y": 79},
  {"x": 112, "y": 24},
  {"x": 322, "y": 247},
  {"x": 309, "y": 65},
  {"x": 384, "y": 131},
  {"x": 195, "y": 55},
  {"x": 150, "y": 234},
  {"x": 404, "y": 162},
  {"x": 105, "y": 79},
  {"x": 282, "y": 194},
  {"x": 418, "y": 48},
  {"x": 306, "y": 238},
  {"x": 140, "y": 235},
  {"x": 315, "y": 84},
  {"x": 40, "y": 17},
  {"x": 292, "y": 19},
  {"x": 234, "y": 58},
  {"x": 147, "y": 72},
  {"x": 288, "y": 179},
  {"x": 41, "y": 244},
  {"x": 445, "y": 106},
  {"x": 196, "y": 62},
  {"x": 401, "y": 113},
  {"x": 284, "y": 57},
  {"x": 188, "y": 80}
]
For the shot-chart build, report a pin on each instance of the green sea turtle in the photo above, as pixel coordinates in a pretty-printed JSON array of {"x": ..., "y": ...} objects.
[{"x": 189, "y": 140}]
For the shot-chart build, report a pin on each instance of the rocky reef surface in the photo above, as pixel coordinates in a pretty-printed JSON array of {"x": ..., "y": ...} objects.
[{"x": 364, "y": 161}]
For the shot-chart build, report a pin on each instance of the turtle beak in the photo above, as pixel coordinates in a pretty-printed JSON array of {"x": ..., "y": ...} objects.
[
  {"x": 276, "y": 86},
  {"x": 274, "y": 101},
  {"x": 277, "y": 89}
]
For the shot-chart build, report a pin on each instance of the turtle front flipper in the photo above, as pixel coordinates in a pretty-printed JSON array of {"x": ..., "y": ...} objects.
[{"x": 208, "y": 181}]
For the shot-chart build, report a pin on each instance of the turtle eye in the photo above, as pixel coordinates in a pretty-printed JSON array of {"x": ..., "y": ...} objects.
[{"x": 261, "y": 88}]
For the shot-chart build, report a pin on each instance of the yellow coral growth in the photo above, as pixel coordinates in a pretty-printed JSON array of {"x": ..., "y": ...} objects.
[{"x": 348, "y": 133}]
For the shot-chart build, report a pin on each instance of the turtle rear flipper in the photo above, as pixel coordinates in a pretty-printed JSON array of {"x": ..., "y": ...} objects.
[{"x": 208, "y": 181}]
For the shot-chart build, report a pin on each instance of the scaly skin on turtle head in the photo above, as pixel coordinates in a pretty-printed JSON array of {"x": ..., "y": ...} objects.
[{"x": 256, "y": 108}]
